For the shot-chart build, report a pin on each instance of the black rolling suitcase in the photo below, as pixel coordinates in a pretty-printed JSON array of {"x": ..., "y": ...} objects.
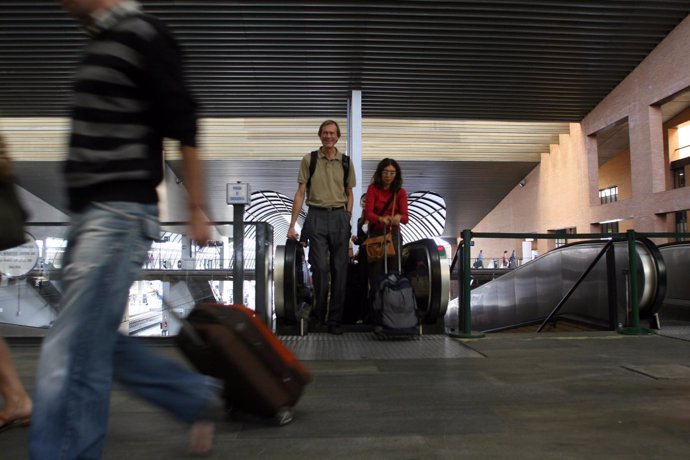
[
  {"x": 395, "y": 305},
  {"x": 262, "y": 377}
]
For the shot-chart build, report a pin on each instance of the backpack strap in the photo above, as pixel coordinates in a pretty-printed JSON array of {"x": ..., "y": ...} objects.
[
  {"x": 346, "y": 170},
  {"x": 312, "y": 168}
]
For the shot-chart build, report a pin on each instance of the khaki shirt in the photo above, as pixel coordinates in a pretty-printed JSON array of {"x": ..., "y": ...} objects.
[{"x": 327, "y": 190}]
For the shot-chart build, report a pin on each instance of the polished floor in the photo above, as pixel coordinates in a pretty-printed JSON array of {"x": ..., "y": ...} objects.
[{"x": 582, "y": 395}]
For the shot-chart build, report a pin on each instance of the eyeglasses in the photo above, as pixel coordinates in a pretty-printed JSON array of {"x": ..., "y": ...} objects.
[{"x": 388, "y": 173}]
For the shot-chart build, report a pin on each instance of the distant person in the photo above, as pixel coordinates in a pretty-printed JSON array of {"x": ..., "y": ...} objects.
[
  {"x": 362, "y": 228},
  {"x": 358, "y": 304},
  {"x": 327, "y": 186},
  {"x": 16, "y": 411},
  {"x": 129, "y": 94},
  {"x": 480, "y": 260},
  {"x": 386, "y": 207},
  {"x": 504, "y": 260},
  {"x": 512, "y": 261}
]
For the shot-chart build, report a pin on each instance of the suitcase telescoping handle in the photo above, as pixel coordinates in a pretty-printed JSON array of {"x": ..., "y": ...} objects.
[
  {"x": 184, "y": 324},
  {"x": 398, "y": 249}
]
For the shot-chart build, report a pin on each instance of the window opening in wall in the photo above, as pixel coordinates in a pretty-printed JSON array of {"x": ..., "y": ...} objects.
[
  {"x": 609, "y": 227},
  {"x": 683, "y": 150},
  {"x": 608, "y": 195},
  {"x": 679, "y": 178},
  {"x": 564, "y": 240},
  {"x": 682, "y": 224}
]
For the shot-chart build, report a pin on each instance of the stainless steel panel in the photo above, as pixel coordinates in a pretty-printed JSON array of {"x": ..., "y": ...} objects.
[
  {"x": 677, "y": 259},
  {"x": 279, "y": 281},
  {"x": 530, "y": 292}
]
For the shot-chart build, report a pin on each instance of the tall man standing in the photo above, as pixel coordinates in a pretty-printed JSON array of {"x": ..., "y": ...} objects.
[
  {"x": 129, "y": 94},
  {"x": 328, "y": 193}
]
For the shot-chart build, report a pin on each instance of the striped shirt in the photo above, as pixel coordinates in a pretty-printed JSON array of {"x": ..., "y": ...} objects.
[{"x": 129, "y": 94}]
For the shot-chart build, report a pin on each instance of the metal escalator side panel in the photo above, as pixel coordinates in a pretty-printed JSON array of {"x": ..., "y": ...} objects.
[
  {"x": 676, "y": 258},
  {"x": 430, "y": 276},
  {"x": 292, "y": 247},
  {"x": 522, "y": 296},
  {"x": 279, "y": 281},
  {"x": 444, "y": 291},
  {"x": 654, "y": 275},
  {"x": 527, "y": 294},
  {"x": 415, "y": 265},
  {"x": 285, "y": 274}
]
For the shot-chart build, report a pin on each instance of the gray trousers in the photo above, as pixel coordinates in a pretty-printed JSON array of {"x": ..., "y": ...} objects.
[{"x": 328, "y": 232}]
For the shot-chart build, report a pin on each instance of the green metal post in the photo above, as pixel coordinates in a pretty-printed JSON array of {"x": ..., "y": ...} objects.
[
  {"x": 466, "y": 279},
  {"x": 634, "y": 301},
  {"x": 466, "y": 282},
  {"x": 635, "y": 328}
]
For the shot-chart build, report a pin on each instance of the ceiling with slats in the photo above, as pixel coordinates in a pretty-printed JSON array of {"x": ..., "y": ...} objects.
[
  {"x": 467, "y": 94},
  {"x": 548, "y": 60}
]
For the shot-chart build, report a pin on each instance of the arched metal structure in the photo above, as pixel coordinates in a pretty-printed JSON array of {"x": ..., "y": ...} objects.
[
  {"x": 427, "y": 216},
  {"x": 272, "y": 207}
]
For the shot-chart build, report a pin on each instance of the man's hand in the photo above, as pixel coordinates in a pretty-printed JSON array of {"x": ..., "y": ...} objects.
[
  {"x": 292, "y": 234},
  {"x": 198, "y": 230}
]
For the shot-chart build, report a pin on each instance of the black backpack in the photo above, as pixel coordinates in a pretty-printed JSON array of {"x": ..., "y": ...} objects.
[{"x": 312, "y": 168}]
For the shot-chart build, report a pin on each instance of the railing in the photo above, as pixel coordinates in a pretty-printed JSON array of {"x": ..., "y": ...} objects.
[
  {"x": 630, "y": 236},
  {"x": 187, "y": 262}
]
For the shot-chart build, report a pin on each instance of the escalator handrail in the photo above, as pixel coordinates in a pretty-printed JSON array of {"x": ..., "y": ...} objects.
[{"x": 661, "y": 278}]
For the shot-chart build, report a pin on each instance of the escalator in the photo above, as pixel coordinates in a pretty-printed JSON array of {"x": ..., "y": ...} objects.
[
  {"x": 528, "y": 294},
  {"x": 422, "y": 263},
  {"x": 676, "y": 306},
  {"x": 677, "y": 259}
]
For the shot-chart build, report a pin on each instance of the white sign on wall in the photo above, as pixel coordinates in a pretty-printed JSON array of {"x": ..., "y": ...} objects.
[{"x": 238, "y": 193}]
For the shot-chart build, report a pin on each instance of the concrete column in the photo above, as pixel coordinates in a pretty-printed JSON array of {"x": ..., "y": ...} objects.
[
  {"x": 657, "y": 154},
  {"x": 354, "y": 146},
  {"x": 592, "y": 152}
]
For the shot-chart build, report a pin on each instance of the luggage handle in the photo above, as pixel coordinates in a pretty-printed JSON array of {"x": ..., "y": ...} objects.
[
  {"x": 184, "y": 324},
  {"x": 398, "y": 251}
]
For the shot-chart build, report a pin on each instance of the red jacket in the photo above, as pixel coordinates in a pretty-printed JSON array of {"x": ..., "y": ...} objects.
[{"x": 376, "y": 200}]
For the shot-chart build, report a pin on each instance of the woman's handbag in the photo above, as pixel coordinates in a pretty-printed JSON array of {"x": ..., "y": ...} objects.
[
  {"x": 377, "y": 246},
  {"x": 12, "y": 216},
  {"x": 374, "y": 246}
]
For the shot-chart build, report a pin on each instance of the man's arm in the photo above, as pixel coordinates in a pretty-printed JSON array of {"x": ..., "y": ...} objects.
[
  {"x": 296, "y": 208},
  {"x": 198, "y": 230}
]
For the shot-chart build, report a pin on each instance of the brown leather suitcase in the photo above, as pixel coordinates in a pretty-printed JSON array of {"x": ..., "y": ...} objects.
[{"x": 229, "y": 342}]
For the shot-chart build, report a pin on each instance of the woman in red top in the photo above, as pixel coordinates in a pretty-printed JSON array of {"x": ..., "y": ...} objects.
[{"x": 386, "y": 183}]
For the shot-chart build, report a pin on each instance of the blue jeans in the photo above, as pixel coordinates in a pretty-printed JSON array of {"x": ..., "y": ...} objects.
[{"x": 83, "y": 351}]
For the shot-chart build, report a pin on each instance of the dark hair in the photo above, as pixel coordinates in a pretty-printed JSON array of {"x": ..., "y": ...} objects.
[
  {"x": 329, "y": 122},
  {"x": 397, "y": 182}
]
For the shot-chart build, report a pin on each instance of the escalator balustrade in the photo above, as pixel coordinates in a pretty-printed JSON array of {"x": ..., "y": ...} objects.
[{"x": 422, "y": 262}]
